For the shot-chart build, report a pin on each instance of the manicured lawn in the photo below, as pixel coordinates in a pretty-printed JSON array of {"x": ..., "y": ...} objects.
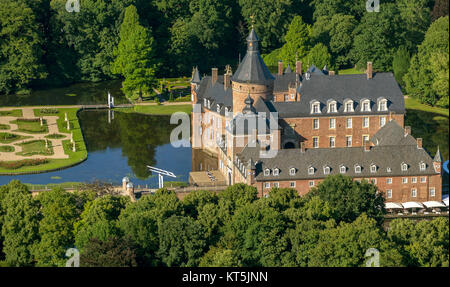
[
  {"x": 7, "y": 148},
  {"x": 31, "y": 126},
  {"x": 55, "y": 136},
  {"x": 11, "y": 113},
  {"x": 350, "y": 71},
  {"x": 7, "y": 138},
  {"x": 36, "y": 147},
  {"x": 158, "y": 110},
  {"x": 74, "y": 157},
  {"x": 429, "y": 123}
]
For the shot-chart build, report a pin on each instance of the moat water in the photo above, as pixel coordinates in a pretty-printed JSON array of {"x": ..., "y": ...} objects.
[{"x": 118, "y": 146}]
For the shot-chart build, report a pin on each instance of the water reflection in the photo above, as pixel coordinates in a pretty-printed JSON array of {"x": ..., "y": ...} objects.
[{"x": 122, "y": 146}]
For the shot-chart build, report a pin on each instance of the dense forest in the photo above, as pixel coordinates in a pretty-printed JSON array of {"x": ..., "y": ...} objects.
[
  {"x": 42, "y": 44},
  {"x": 334, "y": 225}
]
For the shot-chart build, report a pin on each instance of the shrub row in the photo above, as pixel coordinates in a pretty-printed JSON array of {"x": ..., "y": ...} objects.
[{"x": 22, "y": 163}]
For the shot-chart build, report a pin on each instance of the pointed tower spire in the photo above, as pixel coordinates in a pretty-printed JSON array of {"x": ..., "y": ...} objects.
[
  {"x": 437, "y": 157},
  {"x": 196, "y": 76},
  {"x": 249, "y": 109}
]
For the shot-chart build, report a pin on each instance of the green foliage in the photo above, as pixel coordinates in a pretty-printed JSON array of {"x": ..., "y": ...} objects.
[
  {"x": 219, "y": 257},
  {"x": 181, "y": 242},
  {"x": 318, "y": 56},
  {"x": 415, "y": 16},
  {"x": 111, "y": 252},
  {"x": 20, "y": 221},
  {"x": 400, "y": 64},
  {"x": 348, "y": 199},
  {"x": 135, "y": 56},
  {"x": 428, "y": 71},
  {"x": 297, "y": 41}
]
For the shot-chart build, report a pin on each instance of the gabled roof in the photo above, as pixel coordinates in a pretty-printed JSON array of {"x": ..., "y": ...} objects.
[
  {"x": 392, "y": 134},
  {"x": 196, "y": 76}
]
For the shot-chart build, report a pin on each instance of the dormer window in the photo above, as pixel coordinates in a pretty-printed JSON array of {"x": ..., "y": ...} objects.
[
  {"x": 266, "y": 172},
  {"x": 311, "y": 170},
  {"x": 422, "y": 166},
  {"x": 209, "y": 104},
  {"x": 404, "y": 167},
  {"x": 332, "y": 106},
  {"x": 326, "y": 170},
  {"x": 373, "y": 168},
  {"x": 348, "y": 106},
  {"x": 292, "y": 171},
  {"x": 276, "y": 172},
  {"x": 382, "y": 105},
  {"x": 204, "y": 102},
  {"x": 218, "y": 108},
  {"x": 343, "y": 169},
  {"x": 315, "y": 107},
  {"x": 365, "y": 105},
  {"x": 389, "y": 169},
  {"x": 226, "y": 110},
  {"x": 357, "y": 168}
]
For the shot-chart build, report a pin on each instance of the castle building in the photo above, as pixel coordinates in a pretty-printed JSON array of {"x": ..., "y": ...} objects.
[{"x": 293, "y": 129}]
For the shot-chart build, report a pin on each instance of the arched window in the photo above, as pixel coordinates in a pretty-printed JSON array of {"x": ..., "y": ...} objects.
[
  {"x": 332, "y": 106},
  {"x": 292, "y": 171},
  {"x": 382, "y": 105},
  {"x": 357, "y": 168},
  {"x": 315, "y": 107},
  {"x": 311, "y": 170},
  {"x": 365, "y": 105},
  {"x": 343, "y": 169},
  {"x": 266, "y": 172},
  {"x": 373, "y": 168},
  {"x": 276, "y": 172},
  {"x": 326, "y": 170},
  {"x": 422, "y": 166},
  {"x": 404, "y": 167},
  {"x": 348, "y": 106}
]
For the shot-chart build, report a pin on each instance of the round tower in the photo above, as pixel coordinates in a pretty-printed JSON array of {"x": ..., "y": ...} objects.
[{"x": 252, "y": 78}]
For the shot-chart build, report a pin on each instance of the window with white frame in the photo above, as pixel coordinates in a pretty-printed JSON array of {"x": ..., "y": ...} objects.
[
  {"x": 422, "y": 166},
  {"x": 332, "y": 107},
  {"x": 342, "y": 169},
  {"x": 389, "y": 193},
  {"x": 326, "y": 170},
  {"x": 315, "y": 107},
  {"x": 332, "y": 142},
  {"x": 267, "y": 185},
  {"x": 414, "y": 192},
  {"x": 348, "y": 106},
  {"x": 276, "y": 172},
  {"x": 311, "y": 170},
  {"x": 276, "y": 184},
  {"x": 266, "y": 172},
  {"x": 373, "y": 168},
  {"x": 365, "y": 106},
  {"x": 292, "y": 184},
  {"x": 413, "y": 179},
  {"x": 218, "y": 108},
  {"x": 365, "y": 122},
  {"x": 365, "y": 138},
  {"x": 404, "y": 180},
  {"x": 311, "y": 183},
  {"x": 315, "y": 142},
  {"x": 389, "y": 180},
  {"x": 316, "y": 124},
  {"x": 423, "y": 179},
  {"x": 432, "y": 192},
  {"x": 349, "y": 141},
  {"x": 332, "y": 123},
  {"x": 349, "y": 123},
  {"x": 357, "y": 169},
  {"x": 292, "y": 171},
  {"x": 404, "y": 167},
  {"x": 388, "y": 169},
  {"x": 382, "y": 121},
  {"x": 382, "y": 105}
]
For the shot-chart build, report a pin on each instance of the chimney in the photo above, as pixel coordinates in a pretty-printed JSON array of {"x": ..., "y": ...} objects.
[
  {"x": 302, "y": 147},
  {"x": 407, "y": 130},
  {"x": 419, "y": 143},
  {"x": 331, "y": 73},
  {"x": 214, "y": 75},
  {"x": 366, "y": 146},
  {"x": 226, "y": 81},
  {"x": 298, "y": 67},
  {"x": 369, "y": 70},
  {"x": 280, "y": 68}
]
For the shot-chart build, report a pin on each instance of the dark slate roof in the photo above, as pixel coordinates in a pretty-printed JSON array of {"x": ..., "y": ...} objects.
[
  {"x": 288, "y": 69},
  {"x": 316, "y": 71},
  {"x": 281, "y": 83},
  {"x": 382, "y": 156},
  {"x": 216, "y": 94},
  {"x": 341, "y": 87},
  {"x": 252, "y": 68},
  {"x": 392, "y": 134},
  {"x": 196, "y": 76}
]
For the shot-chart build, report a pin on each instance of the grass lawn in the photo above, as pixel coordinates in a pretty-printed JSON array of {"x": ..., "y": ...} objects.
[
  {"x": 74, "y": 157},
  {"x": 35, "y": 147},
  {"x": 157, "y": 110},
  {"x": 55, "y": 136},
  {"x": 350, "y": 71},
  {"x": 11, "y": 113},
  {"x": 429, "y": 123},
  {"x": 7, "y": 148},
  {"x": 31, "y": 126},
  {"x": 51, "y": 186},
  {"x": 7, "y": 138}
]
